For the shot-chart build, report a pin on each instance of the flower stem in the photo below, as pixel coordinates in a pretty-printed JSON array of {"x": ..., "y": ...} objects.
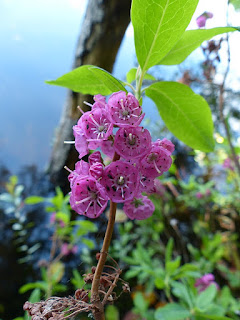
[{"x": 98, "y": 310}]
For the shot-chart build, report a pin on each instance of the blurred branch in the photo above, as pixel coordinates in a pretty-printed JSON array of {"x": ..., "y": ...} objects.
[{"x": 221, "y": 105}]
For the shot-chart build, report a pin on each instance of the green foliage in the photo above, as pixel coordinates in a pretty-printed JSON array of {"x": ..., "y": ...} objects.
[
  {"x": 186, "y": 114},
  {"x": 89, "y": 80},
  {"x": 172, "y": 311},
  {"x": 158, "y": 26},
  {"x": 112, "y": 313},
  {"x": 236, "y": 4},
  {"x": 191, "y": 40}
]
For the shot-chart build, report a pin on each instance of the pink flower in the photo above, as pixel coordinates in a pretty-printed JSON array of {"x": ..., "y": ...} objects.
[
  {"x": 121, "y": 181},
  {"x": 88, "y": 197},
  {"x": 96, "y": 125},
  {"x": 81, "y": 144},
  {"x": 146, "y": 184},
  {"x": 67, "y": 249},
  {"x": 53, "y": 217},
  {"x": 96, "y": 170},
  {"x": 139, "y": 208},
  {"x": 81, "y": 169},
  {"x": 199, "y": 195},
  {"x": 124, "y": 109},
  {"x": 228, "y": 163},
  {"x": 205, "y": 281},
  {"x": 132, "y": 142},
  {"x": 159, "y": 188},
  {"x": 155, "y": 162},
  {"x": 201, "y": 20},
  {"x": 95, "y": 157},
  {"x": 166, "y": 144}
]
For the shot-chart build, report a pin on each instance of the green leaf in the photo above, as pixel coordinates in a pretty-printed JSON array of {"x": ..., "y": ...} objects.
[
  {"x": 172, "y": 311},
  {"x": 159, "y": 283},
  {"x": 112, "y": 313},
  {"x": 186, "y": 114},
  {"x": 205, "y": 298},
  {"x": 89, "y": 80},
  {"x": 190, "y": 41},
  {"x": 171, "y": 266},
  {"x": 32, "y": 285},
  {"x": 184, "y": 293},
  {"x": 89, "y": 243},
  {"x": 34, "y": 200},
  {"x": 158, "y": 25},
  {"x": 211, "y": 317},
  {"x": 140, "y": 302},
  {"x": 131, "y": 76}
]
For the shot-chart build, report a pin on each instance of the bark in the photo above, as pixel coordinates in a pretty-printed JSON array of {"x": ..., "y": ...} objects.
[{"x": 102, "y": 31}]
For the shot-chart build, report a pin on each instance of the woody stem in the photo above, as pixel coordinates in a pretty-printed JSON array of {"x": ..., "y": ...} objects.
[{"x": 98, "y": 310}]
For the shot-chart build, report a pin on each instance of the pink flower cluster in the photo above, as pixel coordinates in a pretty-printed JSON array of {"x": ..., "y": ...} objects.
[
  {"x": 114, "y": 128},
  {"x": 205, "y": 281}
]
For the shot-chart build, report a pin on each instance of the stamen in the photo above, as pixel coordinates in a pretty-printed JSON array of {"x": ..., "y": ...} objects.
[
  {"x": 122, "y": 105},
  {"x": 94, "y": 121},
  {"x": 99, "y": 203},
  {"x": 89, "y": 206},
  {"x": 69, "y": 170},
  {"x": 79, "y": 108},
  {"x": 95, "y": 213},
  {"x": 122, "y": 193},
  {"x": 88, "y": 104},
  {"x": 81, "y": 201},
  {"x": 155, "y": 165}
]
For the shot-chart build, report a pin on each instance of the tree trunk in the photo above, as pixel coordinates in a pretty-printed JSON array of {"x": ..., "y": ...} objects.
[{"x": 102, "y": 31}]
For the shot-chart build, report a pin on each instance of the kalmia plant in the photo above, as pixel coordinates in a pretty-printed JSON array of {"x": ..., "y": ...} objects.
[{"x": 113, "y": 127}]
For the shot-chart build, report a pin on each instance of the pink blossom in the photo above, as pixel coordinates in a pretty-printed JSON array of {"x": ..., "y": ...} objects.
[
  {"x": 67, "y": 249},
  {"x": 96, "y": 170},
  {"x": 88, "y": 197},
  {"x": 139, "y": 208},
  {"x": 166, "y": 144},
  {"x": 121, "y": 180},
  {"x": 81, "y": 144},
  {"x": 199, "y": 195},
  {"x": 124, "y": 109},
  {"x": 96, "y": 125},
  {"x": 132, "y": 142},
  {"x": 159, "y": 188},
  {"x": 146, "y": 184},
  {"x": 95, "y": 157},
  {"x": 81, "y": 169},
  {"x": 205, "y": 281},
  {"x": 201, "y": 20},
  {"x": 156, "y": 162}
]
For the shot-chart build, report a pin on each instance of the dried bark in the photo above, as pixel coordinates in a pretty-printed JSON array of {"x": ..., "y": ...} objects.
[{"x": 102, "y": 31}]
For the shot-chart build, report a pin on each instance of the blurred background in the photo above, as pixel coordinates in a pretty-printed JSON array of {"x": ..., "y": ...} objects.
[{"x": 197, "y": 203}]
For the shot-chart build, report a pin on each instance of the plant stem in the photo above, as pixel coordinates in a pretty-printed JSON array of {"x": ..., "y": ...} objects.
[{"x": 98, "y": 311}]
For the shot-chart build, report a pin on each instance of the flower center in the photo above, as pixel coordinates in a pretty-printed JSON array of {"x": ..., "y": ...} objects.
[
  {"x": 125, "y": 113},
  {"x": 131, "y": 139},
  {"x": 101, "y": 128},
  {"x": 152, "y": 157},
  {"x": 120, "y": 181}
]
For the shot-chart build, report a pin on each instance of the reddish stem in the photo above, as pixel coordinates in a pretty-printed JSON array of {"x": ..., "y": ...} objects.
[{"x": 98, "y": 310}]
